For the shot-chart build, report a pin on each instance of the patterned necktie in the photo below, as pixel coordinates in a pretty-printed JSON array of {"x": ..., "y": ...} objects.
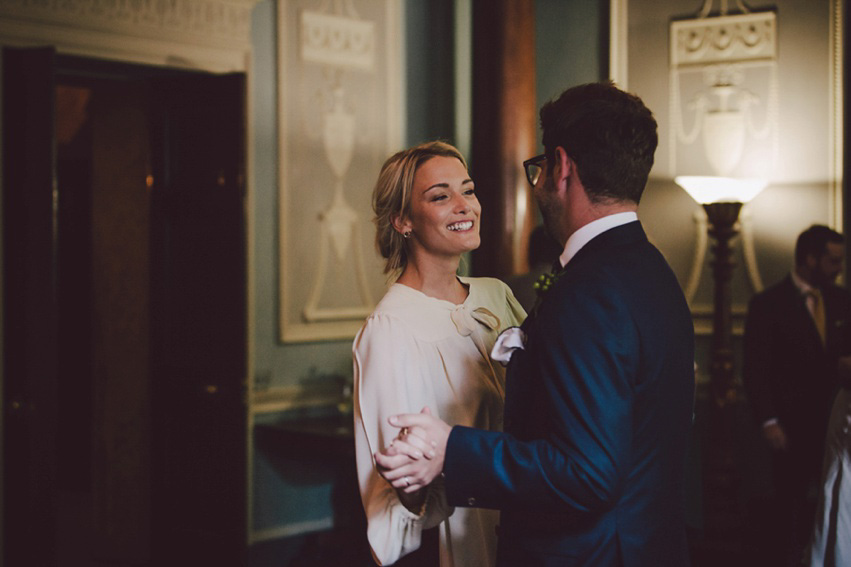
[{"x": 818, "y": 313}]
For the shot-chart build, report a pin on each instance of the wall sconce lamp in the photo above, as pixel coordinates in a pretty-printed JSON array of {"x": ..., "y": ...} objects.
[
  {"x": 723, "y": 100},
  {"x": 722, "y": 199}
]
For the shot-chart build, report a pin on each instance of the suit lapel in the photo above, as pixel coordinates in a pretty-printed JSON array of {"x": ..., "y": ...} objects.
[{"x": 803, "y": 323}]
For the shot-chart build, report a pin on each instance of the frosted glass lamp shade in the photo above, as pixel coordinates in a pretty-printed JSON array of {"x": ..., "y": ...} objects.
[{"x": 710, "y": 189}]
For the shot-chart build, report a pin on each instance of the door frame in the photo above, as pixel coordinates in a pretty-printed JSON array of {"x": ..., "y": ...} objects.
[{"x": 32, "y": 441}]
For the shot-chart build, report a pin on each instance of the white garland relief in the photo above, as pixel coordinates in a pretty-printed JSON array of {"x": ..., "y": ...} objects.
[
  {"x": 338, "y": 223},
  {"x": 339, "y": 69},
  {"x": 344, "y": 43},
  {"x": 725, "y": 69}
]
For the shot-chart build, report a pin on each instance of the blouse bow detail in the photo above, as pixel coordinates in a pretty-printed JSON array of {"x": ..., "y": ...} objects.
[{"x": 466, "y": 320}]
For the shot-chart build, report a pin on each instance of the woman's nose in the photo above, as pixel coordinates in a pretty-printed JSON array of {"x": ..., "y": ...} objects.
[{"x": 461, "y": 204}]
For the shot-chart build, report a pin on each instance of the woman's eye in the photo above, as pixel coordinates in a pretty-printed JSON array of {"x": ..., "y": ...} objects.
[
  {"x": 470, "y": 191},
  {"x": 438, "y": 197}
]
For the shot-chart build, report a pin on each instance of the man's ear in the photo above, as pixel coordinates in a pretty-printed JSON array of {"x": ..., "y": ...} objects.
[
  {"x": 563, "y": 166},
  {"x": 811, "y": 261}
]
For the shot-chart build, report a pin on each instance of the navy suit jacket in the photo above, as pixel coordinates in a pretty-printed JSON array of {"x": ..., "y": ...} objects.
[
  {"x": 590, "y": 467},
  {"x": 788, "y": 373}
]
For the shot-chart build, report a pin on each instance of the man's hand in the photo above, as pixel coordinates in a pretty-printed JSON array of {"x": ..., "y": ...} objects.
[
  {"x": 423, "y": 435},
  {"x": 775, "y": 436}
]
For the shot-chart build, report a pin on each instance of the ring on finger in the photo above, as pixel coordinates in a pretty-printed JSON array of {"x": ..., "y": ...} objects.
[{"x": 407, "y": 481}]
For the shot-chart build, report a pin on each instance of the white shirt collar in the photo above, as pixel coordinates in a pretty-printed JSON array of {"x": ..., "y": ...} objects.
[
  {"x": 802, "y": 286},
  {"x": 594, "y": 228}
]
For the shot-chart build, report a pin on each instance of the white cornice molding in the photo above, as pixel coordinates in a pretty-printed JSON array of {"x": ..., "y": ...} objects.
[{"x": 212, "y": 35}]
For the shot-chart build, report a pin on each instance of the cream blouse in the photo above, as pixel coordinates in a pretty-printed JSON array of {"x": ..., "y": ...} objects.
[{"x": 415, "y": 351}]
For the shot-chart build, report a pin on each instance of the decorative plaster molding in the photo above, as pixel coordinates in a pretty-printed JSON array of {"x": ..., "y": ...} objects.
[
  {"x": 721, "y": 50},
  {"x": 724, "y": 39},
  {"x": 211, "y": 21},
  {"x": 337, "y": 41},
  {"x": 204, "y": 34}
]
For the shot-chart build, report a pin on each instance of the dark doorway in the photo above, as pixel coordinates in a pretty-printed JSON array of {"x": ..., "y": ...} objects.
[{"x": 124, "y": 342}]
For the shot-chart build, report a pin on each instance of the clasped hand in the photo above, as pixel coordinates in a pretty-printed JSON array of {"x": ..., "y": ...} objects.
[{"x": 415, "y": 457}]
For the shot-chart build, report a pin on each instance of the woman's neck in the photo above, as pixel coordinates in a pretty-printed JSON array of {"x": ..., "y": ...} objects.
[{"x": 435, "y": 278}]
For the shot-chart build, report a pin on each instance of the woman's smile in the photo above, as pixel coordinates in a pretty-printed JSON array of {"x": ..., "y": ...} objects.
[
  {"x": 444, "y": 217},
  {"x": 461, "y": 226}
]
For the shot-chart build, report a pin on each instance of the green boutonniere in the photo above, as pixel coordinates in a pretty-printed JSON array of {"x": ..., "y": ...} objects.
[{"x": 545, "y": 281}]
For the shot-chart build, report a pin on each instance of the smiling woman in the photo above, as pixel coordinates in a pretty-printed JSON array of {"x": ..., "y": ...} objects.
[
  {"x": 442, "y": 221},
  {"x": 426, "y": 345}
]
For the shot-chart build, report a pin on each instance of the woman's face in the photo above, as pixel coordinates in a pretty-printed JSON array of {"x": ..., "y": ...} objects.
[{"x": 444, "y": 218}]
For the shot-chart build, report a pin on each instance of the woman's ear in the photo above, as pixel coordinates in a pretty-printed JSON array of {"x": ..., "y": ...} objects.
[{"x": 401, "y": 225}]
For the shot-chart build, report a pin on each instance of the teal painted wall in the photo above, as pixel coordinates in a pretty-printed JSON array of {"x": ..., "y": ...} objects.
[
  {"x": 276, "y": 364},
  {"x": 430, "y": 81},
  {"x": 571, "y": 46}
]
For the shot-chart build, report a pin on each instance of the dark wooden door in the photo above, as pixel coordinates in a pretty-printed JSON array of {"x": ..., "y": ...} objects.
[
  {"x": 30, "y": 313},
  {"x": 158, "y": 319},
  {"x": 119, "y": 290},
  {"x": 198, "y": 320}
]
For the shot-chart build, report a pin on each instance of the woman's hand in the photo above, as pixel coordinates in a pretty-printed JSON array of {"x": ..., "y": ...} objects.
[
  {"x": 404, "y": 450},
  {"x": 429, "y": 435}
]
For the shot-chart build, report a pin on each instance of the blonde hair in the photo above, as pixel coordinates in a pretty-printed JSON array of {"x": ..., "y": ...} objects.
[{"x": 391, "y": 198}]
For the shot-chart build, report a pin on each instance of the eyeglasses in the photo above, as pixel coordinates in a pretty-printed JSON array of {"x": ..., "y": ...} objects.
[{"x": 534, "y": 168}]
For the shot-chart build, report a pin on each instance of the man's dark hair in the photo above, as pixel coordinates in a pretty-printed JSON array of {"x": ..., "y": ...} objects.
[
  {"x": 814, "y": 241},
  {"x": 609, "y": 134}
]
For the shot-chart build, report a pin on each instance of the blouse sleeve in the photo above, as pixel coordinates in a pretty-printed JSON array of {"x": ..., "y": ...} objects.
[
  {"x": 387, "y": 382},
  {"x": 516, "y": 312}
]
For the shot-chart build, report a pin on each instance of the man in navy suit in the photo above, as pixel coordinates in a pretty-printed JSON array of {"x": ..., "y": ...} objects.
[
  {"x": 797, "y": 334},
  {"x": 599, "y": 391}
]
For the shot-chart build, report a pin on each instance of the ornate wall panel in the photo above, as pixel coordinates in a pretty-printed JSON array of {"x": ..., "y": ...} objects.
[{"x": 340, "y": 117}]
